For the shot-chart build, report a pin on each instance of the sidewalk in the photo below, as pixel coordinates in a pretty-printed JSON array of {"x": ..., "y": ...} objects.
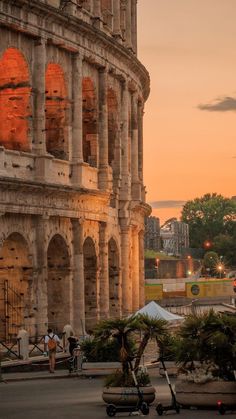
[{"x": 89, "y": 369}]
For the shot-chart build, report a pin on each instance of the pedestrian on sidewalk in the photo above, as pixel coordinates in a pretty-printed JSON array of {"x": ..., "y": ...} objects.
[{"x": 51, "y": 341}]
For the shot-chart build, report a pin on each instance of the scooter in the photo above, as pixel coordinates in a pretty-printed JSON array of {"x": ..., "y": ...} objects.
[
  {"x": 222, "y": 407},
  {"x": 160, "y": 409},
  {"x": 140, "y": 407}
]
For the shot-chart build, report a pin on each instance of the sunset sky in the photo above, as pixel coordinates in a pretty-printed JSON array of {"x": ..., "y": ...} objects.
[{"x": 189, "y": 49}]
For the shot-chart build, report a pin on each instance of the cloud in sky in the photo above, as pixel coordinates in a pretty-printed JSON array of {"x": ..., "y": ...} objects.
[
  {"x": 167, "y": 204},
  {"x": 221, "y": 104}
]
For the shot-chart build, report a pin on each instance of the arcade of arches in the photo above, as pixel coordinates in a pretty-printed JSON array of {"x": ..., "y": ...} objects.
[{"x": 72, "y": 199}]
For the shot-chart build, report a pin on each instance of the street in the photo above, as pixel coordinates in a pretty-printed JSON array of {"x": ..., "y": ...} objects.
[{"x": 78, "y": 398}]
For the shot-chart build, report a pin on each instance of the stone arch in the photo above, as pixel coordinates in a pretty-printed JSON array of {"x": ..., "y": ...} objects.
[
  {"x": 114, "y": 279},
  {"x": 57, "y": 142},
  {"x": 90, "y": 283},
  {"x": 59, "y": 283},
  {"x": 16, "y": 282},
  {"x": 90, "y": 125},
  {"x": 15, "y": 107}
]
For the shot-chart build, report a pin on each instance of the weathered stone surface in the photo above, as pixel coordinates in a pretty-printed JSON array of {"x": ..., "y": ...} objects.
[{"x": 72, "y": 216}]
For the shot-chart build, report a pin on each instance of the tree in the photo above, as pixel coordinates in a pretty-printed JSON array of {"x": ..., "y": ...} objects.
[
  {"x": 225, "y": 244},
  {"x": 151, "y": 328},
  {"x": 208, "y": 217},
  {"x": 210, "y": 339},
  {"x": 210, "y": 261},
  {"x": 122, "y": 331}
]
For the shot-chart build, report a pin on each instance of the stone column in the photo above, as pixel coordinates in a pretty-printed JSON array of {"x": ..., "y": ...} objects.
[
  {"x": 39, "y": 70},
  {"x": 104, "y": 271},
  {"x": 77, "y": 109},
  {"x": 97, "y": 13},
  {"x": 41, "y": 274},
  {"x": 116, "y": 19},
  {"x": 136, "y": 193},
  {"x": 141, "y": 270},
  {"x": 140, "y": 140},
  {"x": 128, "y": 40},
  {"x": 71, "y": 8},
  {"x": 125, "y": 266},
  {"x": 77, "y": 118},
  {"x": 103, "y": 131},
  {"x": 135, "y": 270},
  {"x": 134, "y": 24},
  {"x": 97, "y": 8},
  {"x": 78, "y": 280},
  {"x": 125, "y": 175}
]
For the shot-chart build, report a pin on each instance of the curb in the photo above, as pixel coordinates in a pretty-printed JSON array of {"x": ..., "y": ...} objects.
[{"x": 85, "y": 374}]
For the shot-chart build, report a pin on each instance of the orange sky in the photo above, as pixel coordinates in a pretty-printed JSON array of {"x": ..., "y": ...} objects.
[{"x": 188, "y": 47}]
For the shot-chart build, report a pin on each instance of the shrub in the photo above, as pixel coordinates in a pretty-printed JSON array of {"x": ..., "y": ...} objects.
[
  {"x": 208, "y": 339},
  {"x": 119, "y": 379}
]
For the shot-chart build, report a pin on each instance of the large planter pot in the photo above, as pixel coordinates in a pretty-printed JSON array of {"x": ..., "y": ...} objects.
[
  {"x": 208, "y": 394},
  {"x": 127, "y": 395}
]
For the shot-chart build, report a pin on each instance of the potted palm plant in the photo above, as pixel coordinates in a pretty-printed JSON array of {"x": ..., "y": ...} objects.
[
  {"x": 206, "y": 353},
  {"x": 119, "y": 387}
]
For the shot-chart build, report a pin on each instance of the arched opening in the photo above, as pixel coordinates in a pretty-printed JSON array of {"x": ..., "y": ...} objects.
[
  {"x": 114, "y": 285},
  {"x": 16, "y": 309},
  {"x": 14, "y": 101},
  {"x": 106, "y": 9},
  {"x": 90, "y": 283},
  {"x": 56, "y": 111},
  {"x": 90, "y": 126},
  {"x": 59, "y": 284}
]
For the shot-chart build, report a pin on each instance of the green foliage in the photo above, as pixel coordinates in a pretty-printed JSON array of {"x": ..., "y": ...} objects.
[
  {"x": 208, "y": 339},
  {"x": 210, "y": 260},
  {"x": 119, "y": 379},
  {"x": 225, "y": 245},
  {"x": 100, "y": 351},
  {"x": 122, "y": 332},
  {"x": 208, "y": 218},
  {"x": 151, "y": 328}
]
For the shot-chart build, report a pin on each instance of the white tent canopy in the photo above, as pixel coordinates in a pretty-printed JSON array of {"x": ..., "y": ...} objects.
[{"x": 153, "y": 310}]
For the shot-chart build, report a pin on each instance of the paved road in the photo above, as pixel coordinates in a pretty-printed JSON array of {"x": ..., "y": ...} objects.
[{"x": 73, "y": 398}]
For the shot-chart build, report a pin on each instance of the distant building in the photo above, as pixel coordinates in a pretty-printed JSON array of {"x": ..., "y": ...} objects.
[
  {"x": 152, "y": 239},
  {"x": 175, "y": 237}
]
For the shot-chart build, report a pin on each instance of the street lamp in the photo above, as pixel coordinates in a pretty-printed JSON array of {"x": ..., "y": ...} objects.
[{"x": 220, "y": 269}]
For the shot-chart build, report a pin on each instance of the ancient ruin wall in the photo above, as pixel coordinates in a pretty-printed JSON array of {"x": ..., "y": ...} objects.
[{"x": 72, "y": 199}]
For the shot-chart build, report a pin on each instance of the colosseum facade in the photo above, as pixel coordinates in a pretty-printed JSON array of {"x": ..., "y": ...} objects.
[{"x": 72, "y": 200}]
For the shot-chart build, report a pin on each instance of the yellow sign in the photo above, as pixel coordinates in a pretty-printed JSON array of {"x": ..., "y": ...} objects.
[
  {"x": 153, "y": 292},
  {"x": 216, "y": 288}
]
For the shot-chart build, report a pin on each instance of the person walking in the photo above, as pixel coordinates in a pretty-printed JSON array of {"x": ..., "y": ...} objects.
[{"x": 51, "y": 341}]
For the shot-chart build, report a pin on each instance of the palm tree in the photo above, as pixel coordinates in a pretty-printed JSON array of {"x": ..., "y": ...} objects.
[
  {"x": 121, "y": 330},
  {"x": 152, "y": 328},
  {"x": 210, "y": 339}
]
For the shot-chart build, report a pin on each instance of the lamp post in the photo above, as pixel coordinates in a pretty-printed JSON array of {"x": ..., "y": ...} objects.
[{"x": 220, "y": 268}]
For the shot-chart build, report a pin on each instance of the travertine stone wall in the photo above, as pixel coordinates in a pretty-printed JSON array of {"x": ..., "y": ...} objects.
[{"x": 72, "y": 201}]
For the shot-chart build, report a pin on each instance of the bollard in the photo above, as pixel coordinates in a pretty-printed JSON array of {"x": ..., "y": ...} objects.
[{"x": 23, "y": 342}]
